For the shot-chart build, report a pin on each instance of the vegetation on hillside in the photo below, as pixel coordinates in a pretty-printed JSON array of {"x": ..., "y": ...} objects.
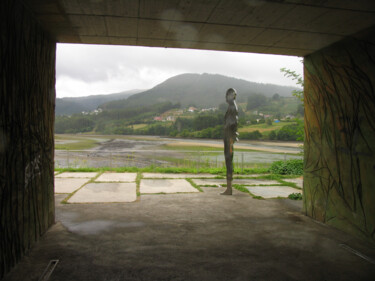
[{"x": 189, "y": 106}]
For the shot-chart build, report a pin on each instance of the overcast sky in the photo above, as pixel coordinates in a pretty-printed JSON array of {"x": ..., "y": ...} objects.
[{"x": 83, "y": 70}]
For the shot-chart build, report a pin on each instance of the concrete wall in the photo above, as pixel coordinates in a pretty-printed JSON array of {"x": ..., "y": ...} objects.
[
  {"x": 27, "y": 98},
  {"x": 339, "y": 182}
]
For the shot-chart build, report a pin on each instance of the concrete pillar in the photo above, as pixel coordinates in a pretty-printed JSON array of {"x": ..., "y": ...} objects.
[
  {"x": 27, "y": 101},
  {"x": 339, "y": 179}
]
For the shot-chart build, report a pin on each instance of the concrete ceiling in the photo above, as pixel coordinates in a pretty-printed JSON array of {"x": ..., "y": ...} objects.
[{"x": 287, "y": 27}]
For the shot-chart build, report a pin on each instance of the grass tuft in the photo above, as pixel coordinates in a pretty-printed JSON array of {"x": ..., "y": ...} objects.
[{"x": 195, "y": 185}]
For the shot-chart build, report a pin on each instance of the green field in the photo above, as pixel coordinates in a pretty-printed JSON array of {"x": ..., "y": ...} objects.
[
  {"x": 263, "y": 128},
  {"x": 73, "y": 142}
]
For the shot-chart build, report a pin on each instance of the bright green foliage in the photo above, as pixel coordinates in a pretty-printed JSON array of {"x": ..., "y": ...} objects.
[
  {"x": 295, "y": 76},
  {"x": 295, "y": 196},
  {"x": 289, "y": 167},
  {"x": 292, "y": 132}
]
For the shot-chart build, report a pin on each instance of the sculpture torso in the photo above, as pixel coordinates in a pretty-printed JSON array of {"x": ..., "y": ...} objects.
[{"x": 231, "y": 121}]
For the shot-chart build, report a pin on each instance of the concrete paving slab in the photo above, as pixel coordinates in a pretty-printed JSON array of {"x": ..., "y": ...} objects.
[
  {"x": 298, "y": 182},
  {"x": 176, "y": 176},
  {"x": 117, "y": 177},
  {"x": 68, "y": 185},
  {"x": 166, "y": 186},
  {"x": 105, "y": 193},
  {"x": 272, "y": 191},
  {"x": 77, "y": 175},
  {"x": 235, "y": 181}
]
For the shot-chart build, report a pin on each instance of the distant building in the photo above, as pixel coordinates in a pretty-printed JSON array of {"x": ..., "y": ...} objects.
[
  {"x": 192, "y": 109},
  {"x": 158, "y": 118},
  {"x": 209, "y": 109},
  {"x": 96, "y": 111}
]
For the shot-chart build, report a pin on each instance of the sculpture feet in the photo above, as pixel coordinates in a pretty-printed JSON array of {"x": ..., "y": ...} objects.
[{"x": 227, "y": 192}]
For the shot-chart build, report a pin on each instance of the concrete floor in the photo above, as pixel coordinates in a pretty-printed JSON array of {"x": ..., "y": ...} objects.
[{"x": 196, "y": 236}]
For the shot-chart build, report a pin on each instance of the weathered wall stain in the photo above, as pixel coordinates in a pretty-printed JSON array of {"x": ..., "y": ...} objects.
[
  {"x": 27, "y": 75},
  {"x": 33, "y": 170},
  {"x": 339, "y": 182}
]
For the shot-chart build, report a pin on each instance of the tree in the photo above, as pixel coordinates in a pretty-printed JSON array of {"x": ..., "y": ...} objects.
[
  {"x": 255, "y": 101},
  {"x": 272, "y": 135},
  {"x": 269, "y": 122},
  {"x": 295, "y": 76},
  {"x": 276, "y": 97}
]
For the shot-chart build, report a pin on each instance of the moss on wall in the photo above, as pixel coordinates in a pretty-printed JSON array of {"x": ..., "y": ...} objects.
[
  {"x": 339, "y": 179},
  {"x": 27, "y": 99}
]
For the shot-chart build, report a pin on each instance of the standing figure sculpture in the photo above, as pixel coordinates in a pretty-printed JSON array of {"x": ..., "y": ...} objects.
[{"x": 230, "y": 136}]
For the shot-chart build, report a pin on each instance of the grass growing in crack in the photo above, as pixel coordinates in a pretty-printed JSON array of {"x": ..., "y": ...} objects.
[
  {"x": 242, "y": 188},
  {"x": 220, "y": 172},
  {"x": 290, "y": 184},
  {"x": 195, "y": 185},
  {"x": 92, "y": 180},
  {"x": 138, "y": 183}
]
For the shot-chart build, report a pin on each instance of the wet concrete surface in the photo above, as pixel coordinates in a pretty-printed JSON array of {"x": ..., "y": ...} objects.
[
  {"x": 200, "y": 236},
  {"x": 105, "y": 193}
]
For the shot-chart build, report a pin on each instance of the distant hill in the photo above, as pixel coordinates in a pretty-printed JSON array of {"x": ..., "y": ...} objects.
[
  {"x": 68, "y": 106},
  {"x": 199, "y": 90}
]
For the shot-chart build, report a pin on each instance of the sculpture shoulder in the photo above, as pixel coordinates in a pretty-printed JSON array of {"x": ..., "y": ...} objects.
[
  {"x": 232, "y": 112},
  {"x": 232, "y": 109}
]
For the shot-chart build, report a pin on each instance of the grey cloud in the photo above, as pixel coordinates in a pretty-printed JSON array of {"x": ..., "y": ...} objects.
[{"x": 143, "y": 67}]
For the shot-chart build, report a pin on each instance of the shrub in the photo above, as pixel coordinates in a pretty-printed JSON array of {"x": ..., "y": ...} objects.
[
  {"x": 295, "y": 196},
  {"x": 289, "y": 167},
  {"x": 256, "y": 135},
  {"x": 272, "y": 135},
  {"x": 292, "y": 132}
]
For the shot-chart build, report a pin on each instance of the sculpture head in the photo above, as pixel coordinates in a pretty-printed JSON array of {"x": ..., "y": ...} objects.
[{"x": 231, "y": 95}]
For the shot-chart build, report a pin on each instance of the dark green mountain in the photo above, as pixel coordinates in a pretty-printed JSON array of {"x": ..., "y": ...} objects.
[
  {"x": 199, "y": 90},
  {"x": 68, "y": 106}
]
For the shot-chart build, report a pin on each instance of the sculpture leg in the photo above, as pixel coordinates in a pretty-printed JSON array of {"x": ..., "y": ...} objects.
[{"x": 228, "y": 152}]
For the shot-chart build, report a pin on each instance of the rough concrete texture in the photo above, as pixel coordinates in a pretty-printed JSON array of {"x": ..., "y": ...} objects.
[
  {"x": 105, "y": 193},
  {"x": 339, "y": 160},
  {"x": 242, "y": 26},
  {"x": 77, "y": 175},
  {"x": 27, "y": 111},
  {"x": 68, "y": 185},
  {"x": 298, "y": 182},
  {"x": 235, "y": 181},
  {"x": 272, "y": 191},
  {"x": 196, "y": 236},
  {"x": 166, "y": 186},
  {"x": 117, "y": 177},
  {"x": 175, "y": 176}
]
